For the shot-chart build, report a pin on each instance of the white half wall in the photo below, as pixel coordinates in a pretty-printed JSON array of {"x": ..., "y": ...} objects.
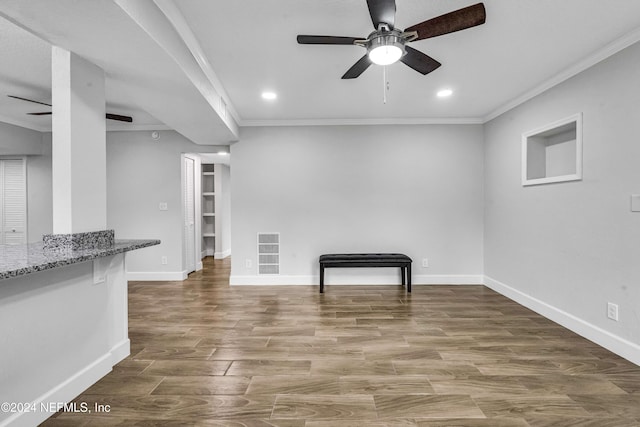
[
  {"x": 61, "y": 332},
  {"x": 334, "y": 189},
  {"x": 574, "y": 246}
]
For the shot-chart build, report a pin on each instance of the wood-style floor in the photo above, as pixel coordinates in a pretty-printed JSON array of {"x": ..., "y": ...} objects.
[{"x": 206, "y": 354}]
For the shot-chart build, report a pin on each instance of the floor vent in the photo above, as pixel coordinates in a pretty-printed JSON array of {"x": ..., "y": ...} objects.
[{"x": 268, "y": 253}]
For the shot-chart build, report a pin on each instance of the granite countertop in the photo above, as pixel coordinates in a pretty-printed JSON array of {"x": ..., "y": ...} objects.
[{"x": 20, "y": 260}]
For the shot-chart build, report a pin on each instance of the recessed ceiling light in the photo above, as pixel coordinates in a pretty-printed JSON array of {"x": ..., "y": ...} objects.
[
  {"x": 269, "y": 96},
  {"x": 222, "y": 153},
  {"x": 444, "y": 93}
]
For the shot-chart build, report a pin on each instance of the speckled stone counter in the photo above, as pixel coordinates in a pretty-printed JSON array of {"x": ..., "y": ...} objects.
[{"x": 19, "y": 260}]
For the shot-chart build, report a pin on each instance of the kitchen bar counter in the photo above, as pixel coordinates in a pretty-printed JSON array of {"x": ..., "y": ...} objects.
[
  {"x": 63, "y": 329},
  {"x": 19, "y": 260}
]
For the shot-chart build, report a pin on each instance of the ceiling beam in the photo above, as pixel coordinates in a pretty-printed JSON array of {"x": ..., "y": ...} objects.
[{"x": 164, "y": 23}]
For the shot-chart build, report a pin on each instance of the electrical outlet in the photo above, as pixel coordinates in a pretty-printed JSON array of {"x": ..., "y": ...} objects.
[
  {"x": 163, "y": 260},
  {"x": 163, "y": 206},
  {"x": 247, "y": 263},
  {"x": 425, "y": 262},
  {"x": 612, "y": 311}
]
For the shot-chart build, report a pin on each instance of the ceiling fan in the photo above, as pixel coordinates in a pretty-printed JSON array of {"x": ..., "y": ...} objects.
[
  {"x": 387, "y": 44},
  {"x": 109, "y": 116}
]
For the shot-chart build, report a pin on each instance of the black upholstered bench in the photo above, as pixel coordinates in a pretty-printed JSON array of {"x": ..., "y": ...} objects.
[{"x": 367, "y": 260}]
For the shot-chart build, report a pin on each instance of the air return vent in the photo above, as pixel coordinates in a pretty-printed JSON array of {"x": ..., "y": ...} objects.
[{"x": 268, "y": 253}]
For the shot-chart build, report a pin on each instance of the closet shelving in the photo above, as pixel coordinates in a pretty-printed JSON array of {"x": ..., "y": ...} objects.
[{"x": 208, "y": 209}]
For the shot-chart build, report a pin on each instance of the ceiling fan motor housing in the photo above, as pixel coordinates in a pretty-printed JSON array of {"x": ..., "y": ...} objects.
[{"x": 390, "y": 42}]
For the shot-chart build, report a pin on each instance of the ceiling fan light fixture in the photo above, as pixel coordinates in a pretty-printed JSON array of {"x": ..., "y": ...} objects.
[{"x": 386, "y": 49}]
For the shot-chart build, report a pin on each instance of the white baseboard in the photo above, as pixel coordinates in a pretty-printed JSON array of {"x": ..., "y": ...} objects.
[
  {"x": 63, "y": 392},
  {"x": 120, "y": 351},
  {"x": 448, "y": 279},
  {"x": 163, "y": 276},
  {"x": 222, "y": 255},
  {"x": 614, "y": 343},
  {"x": 416, "y": 280}
]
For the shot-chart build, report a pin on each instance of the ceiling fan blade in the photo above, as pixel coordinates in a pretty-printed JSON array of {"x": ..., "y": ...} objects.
[
  {"x": 358, "y": 68},
  {"x": 109, "y": 116},
  {"x": 119, "y": 118},
  {"x": 382, "y": 12},
  {"x": 29, "y": 100},
  {"x": 424, "y": 64},
  {"x": 305, "y": 39},
  {"x": 460, "y": 19}
]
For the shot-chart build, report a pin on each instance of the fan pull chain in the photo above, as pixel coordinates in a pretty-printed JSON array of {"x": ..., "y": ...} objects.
[{"x": 385, "y": 84}]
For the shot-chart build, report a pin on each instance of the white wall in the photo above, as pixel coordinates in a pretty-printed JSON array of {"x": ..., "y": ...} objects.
[
  {"x": 141, "y": 173},
  {"x": 410, "y": 189},
  {"x": 18, "y": 141},
  {"x": 39, "y": 192},
  {"x": 224, "y": 211},
  {"x": 79, "y": 143},
  {"x": 567, "y": 249}
]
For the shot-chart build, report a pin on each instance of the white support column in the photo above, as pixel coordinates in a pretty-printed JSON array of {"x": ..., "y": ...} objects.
[{"x": 79, "y": 168}]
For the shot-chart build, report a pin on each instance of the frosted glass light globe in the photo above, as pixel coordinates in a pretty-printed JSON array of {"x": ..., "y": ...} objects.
[{"x": 385, "y": 55}]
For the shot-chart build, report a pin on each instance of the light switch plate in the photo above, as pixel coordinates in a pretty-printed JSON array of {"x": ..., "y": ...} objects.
[
  {"x": 163, "y": 206},
  {"x": 635, "y": 203}
]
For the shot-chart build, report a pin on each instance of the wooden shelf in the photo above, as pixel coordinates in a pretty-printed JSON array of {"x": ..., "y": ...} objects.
[{"x": 208, "y": 217}]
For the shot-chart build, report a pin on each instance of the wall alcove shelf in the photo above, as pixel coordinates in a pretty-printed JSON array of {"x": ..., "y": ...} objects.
[{"x": 553, "y": 153}]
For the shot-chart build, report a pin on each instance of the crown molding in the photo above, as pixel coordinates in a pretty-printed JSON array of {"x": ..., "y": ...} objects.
[
  {"x": 580, "y": 66},
  {"x": 361, "y": 122},
  {"x": 600, "y": 55}
]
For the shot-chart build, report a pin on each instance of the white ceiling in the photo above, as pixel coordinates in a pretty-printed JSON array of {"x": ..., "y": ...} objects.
[{"x": 246, "y": 47}]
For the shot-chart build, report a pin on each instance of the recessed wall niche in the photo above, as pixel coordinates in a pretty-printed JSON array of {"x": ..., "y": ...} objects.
[{"x": 553, "y": 153}]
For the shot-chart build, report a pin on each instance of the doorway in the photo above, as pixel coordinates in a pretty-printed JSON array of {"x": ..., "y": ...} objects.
[{"x": 206, "y": 180}]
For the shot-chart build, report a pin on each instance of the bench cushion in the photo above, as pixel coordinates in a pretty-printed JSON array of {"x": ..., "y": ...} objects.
[{"x": 363, "y": 258}]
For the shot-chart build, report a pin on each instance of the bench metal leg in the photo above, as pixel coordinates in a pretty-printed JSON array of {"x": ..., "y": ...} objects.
[
  {"x": 409, "y": 277},
  {"x": 321, "y": 279},
  {"x": 403, "y": 275}
]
